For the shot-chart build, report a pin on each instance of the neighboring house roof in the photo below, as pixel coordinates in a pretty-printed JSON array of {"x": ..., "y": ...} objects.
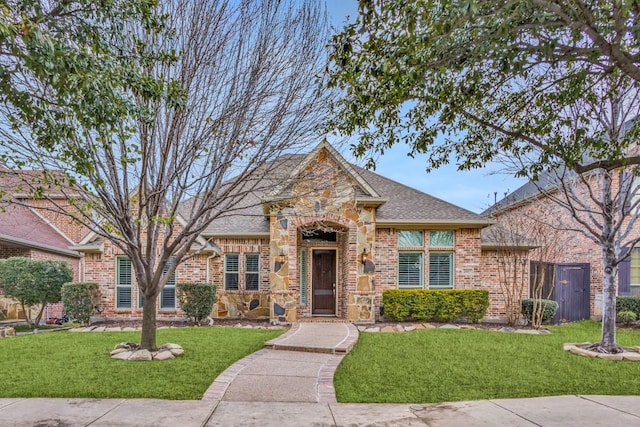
[
  {"x": 21, "y": 226},
  {"x": 398, "y": 204},
  {"x": 546, "y": 182},
  {"x": 493, "y": 239}
]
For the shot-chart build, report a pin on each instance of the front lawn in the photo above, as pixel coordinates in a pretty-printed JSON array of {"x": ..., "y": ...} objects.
[
  {"x": 444, "y": 365},
  {"x": 68, "y": 364}
]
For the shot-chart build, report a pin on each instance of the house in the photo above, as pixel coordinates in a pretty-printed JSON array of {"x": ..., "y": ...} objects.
[
  {"x": 576, "y": 264},
  {"x": 326, "y": 239},
  {"x": 29, "y": 231}
]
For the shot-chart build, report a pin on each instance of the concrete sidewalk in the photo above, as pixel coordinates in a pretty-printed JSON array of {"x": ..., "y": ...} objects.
[{"x": 541, "y": 411}]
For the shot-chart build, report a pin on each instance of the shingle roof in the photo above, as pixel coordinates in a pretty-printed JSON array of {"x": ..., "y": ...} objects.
[
  {"x": 19, "y": 225},
  {"x": 403, "y": 205}
]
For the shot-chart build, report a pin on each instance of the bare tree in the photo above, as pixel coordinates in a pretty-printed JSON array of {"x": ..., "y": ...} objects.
[
  {"x": 245, "y": 73},
  {"x": 525, "y": 244},
  {"x": 594, "y": 197}
]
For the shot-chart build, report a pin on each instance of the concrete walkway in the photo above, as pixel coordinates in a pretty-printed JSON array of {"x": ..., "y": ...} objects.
[
  {"x": 297, "y": 366},
  {"x": 290, "y": 383}
]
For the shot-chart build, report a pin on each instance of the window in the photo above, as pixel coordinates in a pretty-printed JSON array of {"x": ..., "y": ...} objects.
[
  {"x": 410, "y": 239},
  {"x": 123, "y": 282},
  {"x": 231, "y": 272},
  {"x": 441, "y": 270},
  {"x": 168, "y": 295},
  {"x": 409, "y": 270},
  {"x": 303, "y": 276},
  {"x": 635, "y": 272},
  {"x": 441, "y": 239},
  {"x": 252, "y": 272}
]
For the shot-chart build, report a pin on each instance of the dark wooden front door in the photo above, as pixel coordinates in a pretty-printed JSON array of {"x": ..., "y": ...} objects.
[{"x": 323, "y": 281}]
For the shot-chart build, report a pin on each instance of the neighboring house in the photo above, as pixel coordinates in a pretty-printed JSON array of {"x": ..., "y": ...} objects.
[
  {"x": 325, "y": 239},
  {"x": 33, "y": 232},
  {"x": 577, "y": 266}
]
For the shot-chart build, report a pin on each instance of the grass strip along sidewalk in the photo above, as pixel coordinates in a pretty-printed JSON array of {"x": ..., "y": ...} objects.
[
  {"x": 65, "y": 364},
  {"x": 444, "y": 365}
]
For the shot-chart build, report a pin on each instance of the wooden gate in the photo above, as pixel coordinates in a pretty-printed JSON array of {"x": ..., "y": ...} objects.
[
  {"x": 568, "y": 284},
  {"x": 572, "y": 292}
]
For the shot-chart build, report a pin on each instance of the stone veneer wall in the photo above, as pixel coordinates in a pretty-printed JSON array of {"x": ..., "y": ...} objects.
[
  {"x": 325, "y": 197},
  {"x": 241, "y": 303}
]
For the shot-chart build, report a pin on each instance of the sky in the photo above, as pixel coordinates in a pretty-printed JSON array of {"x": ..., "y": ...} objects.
[{"x": 473, "y": 190}]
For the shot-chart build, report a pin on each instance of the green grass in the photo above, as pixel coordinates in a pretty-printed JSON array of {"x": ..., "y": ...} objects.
[
  {"x": 444, "y": 365},
  {"x": 67, "y": 364}
]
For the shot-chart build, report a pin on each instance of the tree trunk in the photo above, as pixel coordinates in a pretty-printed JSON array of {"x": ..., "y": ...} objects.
[
  {"x": 609, "y": 270},
  {"x": 27, "y": 313},
  {"x": 608, "y": 300},
  {"x": 148, "y": 339},
  {"x": 39, "y": 315}
]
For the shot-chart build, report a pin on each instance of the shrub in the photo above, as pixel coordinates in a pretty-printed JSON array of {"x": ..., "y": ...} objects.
[
  {"x": 79, "y": 300},
  {"x": 549, "y": 309},
  {"x": 628, "y": 304},
  {"x": 31, "y": 282},
  {"x": 435, "y": 305},
  {"x": 626, "y": 317},
  {"x": 196, "y": 299}
]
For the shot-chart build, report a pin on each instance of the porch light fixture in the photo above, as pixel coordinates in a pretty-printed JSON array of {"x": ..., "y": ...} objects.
[{"x": 364, "y": 256}]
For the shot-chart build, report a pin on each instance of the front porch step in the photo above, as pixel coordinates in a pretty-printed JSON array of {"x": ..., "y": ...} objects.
[{"x": 332, "y": 338}]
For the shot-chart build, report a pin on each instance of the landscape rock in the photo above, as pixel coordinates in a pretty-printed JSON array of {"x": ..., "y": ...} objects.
[
  {"x": 142, "y": 354},
  {"x": 122, "y": 356},
  {"x": 118, "y": 351},
  {"x": 164, "y": 355},
  {"x": 388, "y": 329},
  {"x": 409, "y": 328},
  {"x": 177, "y": 351},
  {"x": 449, "y": 326}
]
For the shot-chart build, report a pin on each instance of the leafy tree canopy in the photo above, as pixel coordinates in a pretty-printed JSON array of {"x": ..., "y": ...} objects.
[
  {"x": 468, "y": 80},
  {"x": 33, "y": 282},
  {"x": 68, "y": 67}
]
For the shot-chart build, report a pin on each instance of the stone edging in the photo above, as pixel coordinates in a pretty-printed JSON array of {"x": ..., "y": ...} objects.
[
  {"x": 632, "y": 354},
  {"x": 220, "y": 385},
  {"x": 417, "y": 326},
  {"x": 139, "y": 328}
]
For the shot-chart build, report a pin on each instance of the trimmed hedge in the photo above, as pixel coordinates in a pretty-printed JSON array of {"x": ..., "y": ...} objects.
[
  {"x": 435, "y": 305},
  {"x": 628, "y": 304},
  {"x": 196, "y": 299},
  {"x": 79, "y": 300},
  {"x": 549, "y": 309}
]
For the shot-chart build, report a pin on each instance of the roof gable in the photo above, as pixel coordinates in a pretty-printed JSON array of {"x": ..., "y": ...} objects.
[{"x": 363, "y": 189}]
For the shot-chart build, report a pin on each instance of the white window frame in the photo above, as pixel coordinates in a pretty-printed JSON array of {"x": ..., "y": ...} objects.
[
  {"x": 120, "y": 286},
  {"x": 418, "y": 285},
  {"x": 451, "y": 257},
  {"x": 236, "y": 272},
  {"x": 248, "y": 273}
]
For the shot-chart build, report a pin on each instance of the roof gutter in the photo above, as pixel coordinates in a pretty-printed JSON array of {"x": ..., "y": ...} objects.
[
  {"x": 434, "y": 223},
  {"x": 41, "y": 246}
]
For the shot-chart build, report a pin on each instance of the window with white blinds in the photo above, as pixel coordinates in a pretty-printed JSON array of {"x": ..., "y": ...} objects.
[
  {"x": 123, "y": 282},
  {"x": 441, "y": 270},
  {"x": 252, "y": 272},
  {"x": 231, "y": 272},
  {"x": 410, "y": 268},
  {"x": 168, "y": 295}
]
